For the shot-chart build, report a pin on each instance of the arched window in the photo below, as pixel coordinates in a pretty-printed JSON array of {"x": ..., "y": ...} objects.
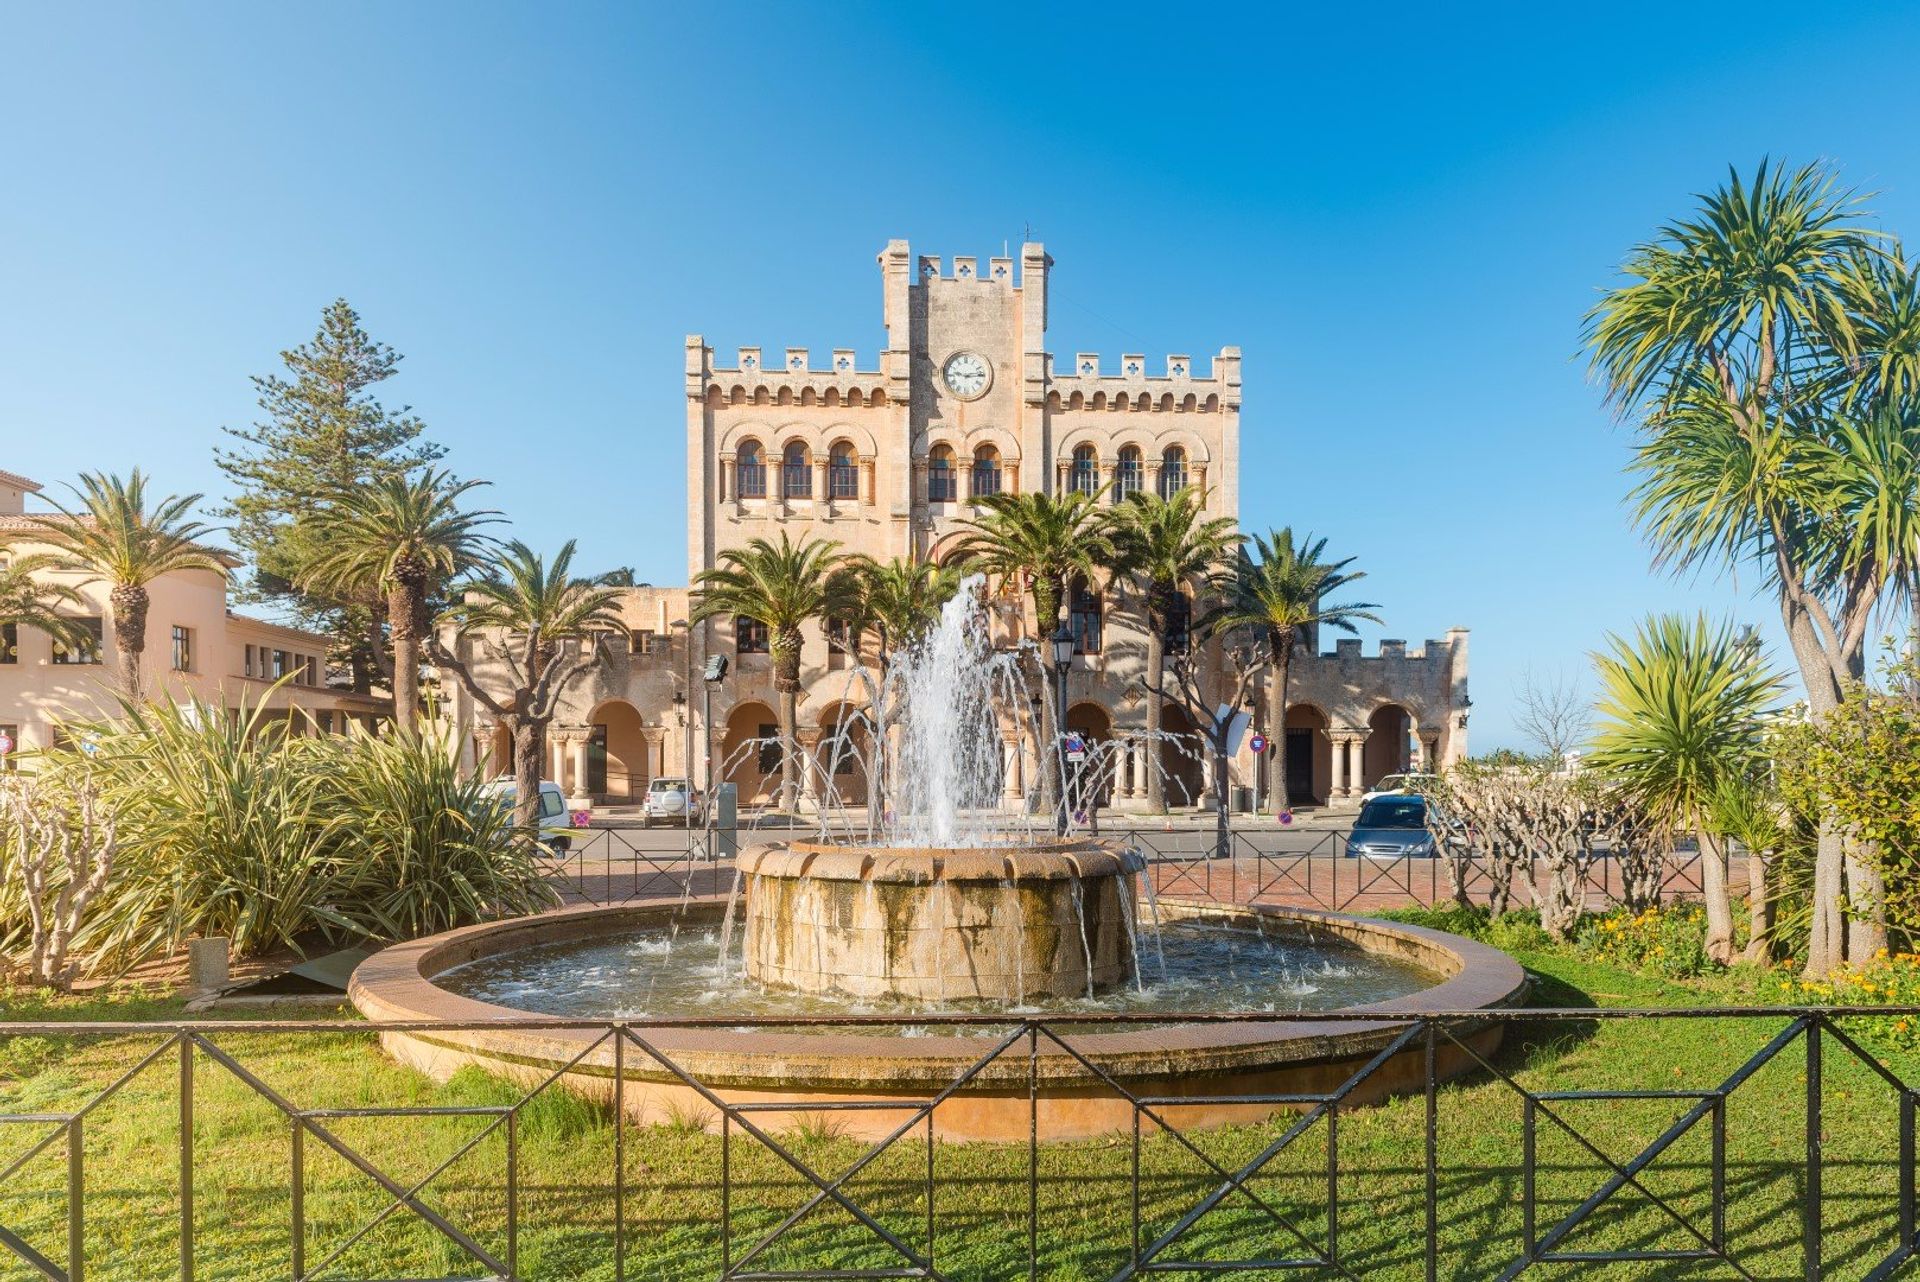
[
  {"x": 843, "y": 473},
  {"x": 986, "y": 471},
  {"x": 1173, "y": 471},
  {"x": 1084, "y": 477},
  {"x": 749, "y": 635},
  {"x": 942, "y": 485},
  {"x": 796, "y": 473},
  {"x": 750, "y": 472},
  {"x": 1129, "y": 475}
]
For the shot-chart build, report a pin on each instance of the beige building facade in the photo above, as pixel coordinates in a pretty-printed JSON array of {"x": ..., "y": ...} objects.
[
  {"x": 195, "y": 648},
  {"x": 964, "y": 399}
]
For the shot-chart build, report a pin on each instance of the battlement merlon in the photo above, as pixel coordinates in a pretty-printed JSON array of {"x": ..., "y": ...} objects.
[
  {"x": 1450, "y": 649},
  {"x": 1085, "y": 373}
]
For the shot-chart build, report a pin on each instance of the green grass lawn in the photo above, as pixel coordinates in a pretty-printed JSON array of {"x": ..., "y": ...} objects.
[{"x": 243, "y": 1205}]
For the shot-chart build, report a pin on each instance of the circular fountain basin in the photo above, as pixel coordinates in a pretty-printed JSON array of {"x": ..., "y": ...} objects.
[
  {"x": 1217, "y": 1064},
  {"x": 1008, "y": 924}
]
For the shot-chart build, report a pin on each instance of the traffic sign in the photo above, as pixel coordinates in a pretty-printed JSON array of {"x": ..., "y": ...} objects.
[
  {"x": 1258, "y": 743},
  {"x": 1076, "y": 748}
]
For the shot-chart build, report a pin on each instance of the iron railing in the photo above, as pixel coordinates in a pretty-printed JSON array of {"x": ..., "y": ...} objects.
[
  {"x": 1301, "y": 869},
  {"x": 1779, "y": 1145}
]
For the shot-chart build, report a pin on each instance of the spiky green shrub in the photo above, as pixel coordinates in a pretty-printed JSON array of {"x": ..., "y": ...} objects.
[
  {"x": 232, "y": 825},
  {"x": 421, "y": 848}
]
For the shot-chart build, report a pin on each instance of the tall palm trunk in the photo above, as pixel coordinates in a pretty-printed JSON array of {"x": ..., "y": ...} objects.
[
  {"x": 405, "y": 599},
  {"x": 1157, "y": 670},
  {"x": 129, "y": 602},
  {"x": 1719, "y": 903},
  {"x": 1277, "y": 716},
  {"x": 1049, "y": 754},
  {"x": 785, "y": 647}
]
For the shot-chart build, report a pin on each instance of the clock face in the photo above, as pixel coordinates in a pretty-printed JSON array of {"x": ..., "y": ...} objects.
[{"x": 966, "y": 375}]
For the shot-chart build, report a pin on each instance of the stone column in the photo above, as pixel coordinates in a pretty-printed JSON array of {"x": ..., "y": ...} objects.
[
  {"x": 579, "y": 789},
  {"x": 1011, "y": 769},
  {"x": 1430, "y": 753},
  {"x": 810, "y": 766},
  {"x": 1337, "y": 785},
  {"x": 869, "y": 489},
  {"x": 727, "y": 484},
  {"x": 822, "y": 485},
  {"x": 1009, "y": 477},
  {"x": 1356, "y": 765}
]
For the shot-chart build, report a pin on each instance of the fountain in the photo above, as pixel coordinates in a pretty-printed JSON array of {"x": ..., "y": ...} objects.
[{"x": 931, "y": 898}]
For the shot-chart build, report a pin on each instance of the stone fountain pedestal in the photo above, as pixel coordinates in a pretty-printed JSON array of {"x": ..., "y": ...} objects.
[{"x": 1004, "y": 924}]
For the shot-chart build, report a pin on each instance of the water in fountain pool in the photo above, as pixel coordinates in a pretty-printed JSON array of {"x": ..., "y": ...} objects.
[{"x": 665, "y": 972}]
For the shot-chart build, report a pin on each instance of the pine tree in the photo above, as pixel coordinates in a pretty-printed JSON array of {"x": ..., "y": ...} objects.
[{"x": 323, "y": 430}]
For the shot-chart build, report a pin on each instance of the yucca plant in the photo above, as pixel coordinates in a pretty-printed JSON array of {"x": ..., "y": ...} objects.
[
  {"x": 1682, "y": 712},
  {"x": 220, "y": 821},
  {"x": 421, "y": 847}
]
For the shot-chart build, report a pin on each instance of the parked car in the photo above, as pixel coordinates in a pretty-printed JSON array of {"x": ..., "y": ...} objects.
[
  {"x": 1400, "y": 785},
  {"x": 1393, "y": 826},
  {"x": 556, "y": 821},
  {"x": 670, "y": 801}
]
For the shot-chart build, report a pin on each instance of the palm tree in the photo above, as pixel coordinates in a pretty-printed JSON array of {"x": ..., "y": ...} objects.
[
  {"x": 115, "y": 537},
  {"x": 544, "y": 625},
  {"x": 901, "y": 598},
  {"x": 1169, "y": 545},
  {"x": 1044, "y": 542},
  {"x": 1681, "y": 717},
  {"x": 403, "y": 536},
  {"x": 27, "y": 601},
  {"x": 781, "y": 586},
  {"x": 1281, "y": 592},
  {"x": 1748, "y": 338}
]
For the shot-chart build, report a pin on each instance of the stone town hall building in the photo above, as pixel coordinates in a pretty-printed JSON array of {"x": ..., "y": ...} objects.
[{"x": 965, "y": 400}]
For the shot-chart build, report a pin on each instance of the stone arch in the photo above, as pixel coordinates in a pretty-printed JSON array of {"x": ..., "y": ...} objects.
[
  {"x": 1186, "y": 438},
  {"x": 859, "y": 437},
  {"x": 619, "y": 753},
  {"x": 855, "y": 397},
  {"x": 1211, "y": 404},
  {"x": 1094, "y": 723},
  {"x": 1188, "y": 403},
  {"x": 999, "y": 437},
  {"x": 737, "y": 433},
  {"x": 1166, "y": 401},
  {"x": 831, "y": 398},
  {"x": 876, "y": 397},
  {"x": 840, "y": 760},
  {"x": 761, "y": 396},
  {"x": 714, "y": 398},
  {"x": 1099, "y": 401},
  {"x": 1388, "y": 750},
  {"x": 809, "y": 397},
  {"x": 785, "y": 397},
  {"x": 1053, "y": 401},
  {"x": 1309, "y": 755},
  {"x": 752, "y": 768},
  {"x": 1078, "y": 401},
  {"x": 1143, "y": 401},
  {"x": 1181, "y": 756},
  {"x": 738, "y": 396}
]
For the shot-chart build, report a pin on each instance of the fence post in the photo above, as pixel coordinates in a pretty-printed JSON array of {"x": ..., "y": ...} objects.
[
  {"x": 1433, "y": 1157},
  {"x": 1810, "y": 1209},
  {"x": 186, "y": 1156}
]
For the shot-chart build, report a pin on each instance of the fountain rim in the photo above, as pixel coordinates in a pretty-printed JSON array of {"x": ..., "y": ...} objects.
[
  {"x": 397, "y": 984},
  {"x": 1057, "y": 860}
]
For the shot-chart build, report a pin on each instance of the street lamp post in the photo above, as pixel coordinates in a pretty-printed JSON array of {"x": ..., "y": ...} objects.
[
  {"x": 685, "y": 699},
  {"x": 1062, "y": 661}
]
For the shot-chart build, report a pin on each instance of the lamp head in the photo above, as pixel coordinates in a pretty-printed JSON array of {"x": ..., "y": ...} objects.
[{"x": 1063, "y": 647}]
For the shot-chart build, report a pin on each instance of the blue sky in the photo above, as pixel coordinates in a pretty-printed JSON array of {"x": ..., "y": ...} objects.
[{"x": 1399, "y": 213}]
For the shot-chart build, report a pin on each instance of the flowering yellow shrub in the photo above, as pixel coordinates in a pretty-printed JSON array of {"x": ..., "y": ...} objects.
[
  {"x": 1667, "y": 940},
  {"x": 1890, "y": 979}
]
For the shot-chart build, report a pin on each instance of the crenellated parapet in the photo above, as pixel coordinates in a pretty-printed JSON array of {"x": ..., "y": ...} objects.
[
  {"x": 1176, "y": 385},
  {"x": 781, "y": 377}
]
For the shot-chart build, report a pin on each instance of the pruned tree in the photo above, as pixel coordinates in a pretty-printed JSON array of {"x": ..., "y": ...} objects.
[
  {"x": 1240, "y": 656},
  {"x": 59, "y": 841}
]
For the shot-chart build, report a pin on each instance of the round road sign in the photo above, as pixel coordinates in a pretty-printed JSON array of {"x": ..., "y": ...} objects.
[{"x": 1258, "y": 743}]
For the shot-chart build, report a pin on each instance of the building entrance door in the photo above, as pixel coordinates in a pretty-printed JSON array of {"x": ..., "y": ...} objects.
[
  {"x": 1299, "y": 767},
  {"x": 597, "y": 762}
]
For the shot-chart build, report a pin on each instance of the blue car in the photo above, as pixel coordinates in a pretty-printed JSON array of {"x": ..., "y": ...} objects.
[{"x": 1391, "y": 827}]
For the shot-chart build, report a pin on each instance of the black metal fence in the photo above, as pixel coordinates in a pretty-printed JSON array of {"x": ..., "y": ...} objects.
[
  {"x": 1780, "y": 1143},
  {"x": 1306, "y": 869}
]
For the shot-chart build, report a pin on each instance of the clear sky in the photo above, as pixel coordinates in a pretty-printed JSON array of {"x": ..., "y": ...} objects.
[{"x": 1400, "y": 213}]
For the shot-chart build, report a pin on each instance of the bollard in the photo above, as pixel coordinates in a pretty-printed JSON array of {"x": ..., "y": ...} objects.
[{"x": 207, "y": 964}]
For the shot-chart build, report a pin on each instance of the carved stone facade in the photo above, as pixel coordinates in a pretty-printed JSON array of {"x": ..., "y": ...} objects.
[{"x": 964, "y": 399}]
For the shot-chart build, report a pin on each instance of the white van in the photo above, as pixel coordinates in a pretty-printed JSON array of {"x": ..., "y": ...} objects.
[{"x": 556, "y": 821}]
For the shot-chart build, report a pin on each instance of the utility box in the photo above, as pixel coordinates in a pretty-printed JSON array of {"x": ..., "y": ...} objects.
[
  {"x": 726, "y": 821},
  {"x": 1242, "y": 796}
]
